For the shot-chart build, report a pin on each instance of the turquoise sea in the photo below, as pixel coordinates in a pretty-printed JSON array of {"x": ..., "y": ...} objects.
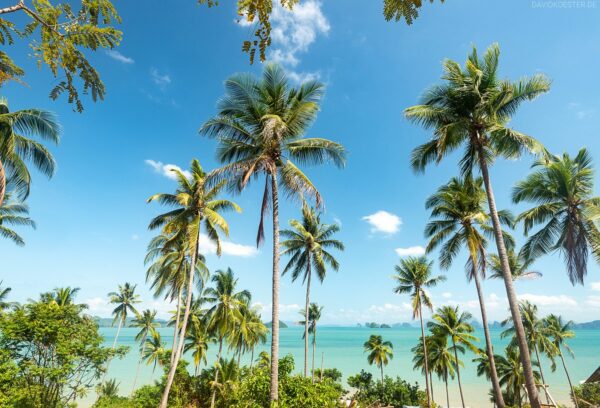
[{"x": 341, "y": 347}]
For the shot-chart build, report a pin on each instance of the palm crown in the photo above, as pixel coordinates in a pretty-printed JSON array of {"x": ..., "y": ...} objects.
[
  {"x": 146, "y": 322},
  {"x": 124, "y": 299},
  {"x": 260, "y": 127},
  {"x": 380, "y": 351},
  {"x": 226, "y": 302},
  {"x": 562, "y": 189},
  {"x": 17, "y": 147},
  {"x": 413, "y": 275},
  {"x": 520, "y": 266},
  {"x": 13, "y": 213},
  {"x": 472, "y": 109}
]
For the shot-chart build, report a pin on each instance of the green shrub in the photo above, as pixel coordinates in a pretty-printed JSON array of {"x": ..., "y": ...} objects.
[
  {"x": 589, "y": 392},
  {"x": 395, "y": 392}
]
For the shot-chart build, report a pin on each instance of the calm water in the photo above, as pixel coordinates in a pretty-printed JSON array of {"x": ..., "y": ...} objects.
[{"x": 341, "y": 347}]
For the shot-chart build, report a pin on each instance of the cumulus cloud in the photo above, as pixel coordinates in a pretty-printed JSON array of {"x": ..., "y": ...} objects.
[
  {"x": 227, "y": 247},
  {"x": 117, "y": 56},
  {"x": 548, "y": 300},
  {"x": 384, "y": 222},
  {"x": 162, "y": 80},
  {"x": 166, "y": 169},
  {"x": 447, "y": 295},
  {"x": 593, "y": 301},
  {"x": 410, "y": 251}
]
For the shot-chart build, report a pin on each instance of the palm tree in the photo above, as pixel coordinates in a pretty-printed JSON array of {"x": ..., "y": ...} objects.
[
  {"x": 197, "y": 341},
  {"x": 4, "y": 291},
  {"x": 449, "y": 322},
  {"x": 124, "y": 299},
  {"x": 559, "y": 331},
  {"x": 109, "y": 389},
  {"x": 248, "y": 332},
  {"x": 260, "y": 128},
  {"x": 229, "y": 378},
  {"x": 13, "y": 213},
  {"x": 313, "y": 314},
  {"x": 17, "y": 147},
  {"x": 154, "y": 350},
  {"x": 520, "y": 267},
  {"x": 306, "y": 244},
  {"x": 413, "y": 276},
  {"x": 380, "y": 353},
  {"x": 562, "y": 190},
  {"x": 196, "y": 205},
  {"x": 146, "y": 322},
  {"x": 168, "y": 271},
  {"x": 225, "y": 311},
  {"x": 459, "y": 219},
  {"x": 64, "y": 296},
  {"x": 537, "y": 336},
  {"x": 472, "y": 109}
]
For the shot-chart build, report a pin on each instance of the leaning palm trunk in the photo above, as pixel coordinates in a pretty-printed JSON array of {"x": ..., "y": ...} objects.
[
  {"x": 431, "y": 387},
  {"x": 139, "y": 365},
  {"x": 427, "y": 387},
  {"x": 447, "y": 393},
  {"x": 2, "y": 183},
  {"x": 113, "y": 347},
  {"x": 273, "y": 397},
  {"x": 462, "y": 398},
  {"x": 176, "y": 330},
  {"x": 186, "y": 315},
  {"x": 308, "y": 272},
  {"x": 510, "y": 290},
  {"x": 214, "y": 393},
  {"x": 568, "y": 379},
  {"x": 537, "y": 356},
  {"x": 488, "y": 344}
]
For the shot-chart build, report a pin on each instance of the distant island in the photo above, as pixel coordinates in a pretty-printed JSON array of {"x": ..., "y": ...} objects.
[{"x": 282, "y": 325}]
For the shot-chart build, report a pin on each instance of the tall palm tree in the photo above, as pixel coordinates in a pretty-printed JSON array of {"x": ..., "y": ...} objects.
[
  {"x": 562, "y": 189},
  {"x": 414, "y": 275},
  {"x": 459, "y": 220},
  {"x": 146, "y": 322},
  {"x": 380, "y": 352},
  {"x": 16, "y": 146},
  {"x": 248, "y": 332},
  {"x": 472, "y": 110},
  {"x": 520, "y": 266},
  {"x": 260, "y": 128},
  {"x": 13, "y": 213},
  {"x": 197, "y": 341},
  {"x": 449, "y": 322},
  {"x": 225, "y": 311},
  {"x": 537, "y": 336},
  {"x": 306, "y": 244},
  {"x": 196, "y": 206},
  {"x": 312, "y": 318},
  {"x": 4, "y": 291},
  {"x": 559, "y": 331},
  {"x": 154, "y": 350}
]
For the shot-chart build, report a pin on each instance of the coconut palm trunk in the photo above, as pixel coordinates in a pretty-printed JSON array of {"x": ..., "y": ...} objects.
[
  {"x": 113, "y": 347},
  {"x": 431, "y": 387},
  {"x": 382, "y": 391},
  {"x": 308, "y": 273},
  {"x": 537, "y": 356},
  {"x": 488, "y": 343},
  {"x": 314, "y": 346},
  {"x": 186, "y": 315},
  {"x": 568, "y": 378},
  {"x": 447, "y": 393},
  {"x": 274, "y": 394},
  {"x": 251, "y": 358},
  {"x": 462, "y": 398},
  {"x": 214, "y": 393},
  {"x": 427, "y": 385},
  {"x": 508, "y": 283},
  {"x": 139, "y": 365},
  {"x": 176, "y": 330},
  {"x": 2, "y": 183}
]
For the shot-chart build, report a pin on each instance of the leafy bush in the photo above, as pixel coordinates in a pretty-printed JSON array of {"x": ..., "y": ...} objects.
[
  {"x": 589, "y": 392},
  {"x": 395, "y": 392},
  {"x": 333, "y": 374}
]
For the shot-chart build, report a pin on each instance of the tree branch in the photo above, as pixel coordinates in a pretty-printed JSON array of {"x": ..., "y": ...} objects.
[{"x": 14, "y": 8}]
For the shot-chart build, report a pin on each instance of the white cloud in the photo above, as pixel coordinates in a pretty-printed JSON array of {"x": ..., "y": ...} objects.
[
  {"x": 593, "y": 301},
  {"x": 548, "y": 300},
  {"x": 410, "y": 251},
  {"x": 383, "y": 221},
  {"x": 162, "y": 80},
  {"x": 117, "y": 56},
  {"x": 166, "y": 169},
  {"x": 595, "y": 286},
  {"x": 227, "y": 248},
  {"x": 447, "y": 295},
  {"x": 293, "y": 32}
]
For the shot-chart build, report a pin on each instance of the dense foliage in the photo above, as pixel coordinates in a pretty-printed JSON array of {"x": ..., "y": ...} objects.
[
  {"x": 51, "y": 354},
  {"x": 588, "y": 392},
  {"x": 394, "y": 392}
]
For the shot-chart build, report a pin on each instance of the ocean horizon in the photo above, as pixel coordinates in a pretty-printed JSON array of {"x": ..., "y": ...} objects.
[{"x": 342, "y": 348}]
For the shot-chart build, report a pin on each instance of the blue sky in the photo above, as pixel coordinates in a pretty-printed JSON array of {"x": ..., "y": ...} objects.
[{"x": 163, "y": 83}]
